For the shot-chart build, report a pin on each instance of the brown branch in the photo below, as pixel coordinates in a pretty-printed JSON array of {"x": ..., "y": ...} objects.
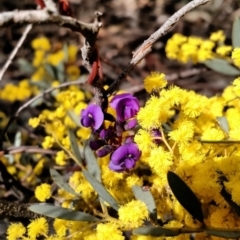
[
  {"x": 44, "y": 16},
  {"x": 146, "y": 47}
]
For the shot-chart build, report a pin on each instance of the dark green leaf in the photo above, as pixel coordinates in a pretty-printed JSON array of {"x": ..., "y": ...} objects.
[
  {"x": 65, "y": 50},
  {"x": 74, "y": 117},
  {"x": 74, "y": 145},
  {"x": 228, "y": 198},
  {"x": 92, "y": 164},
  {"x": 61, "y": 213},
  {"x": 156, "y": 231},
  {"x": 60, "y": 181},
  {"x": 60, "y": 71},
  {"x": 185, "y": 196},
  {"x": 25, "y": 66},
  {"x": 236, "y": 33},
  {"x": 224, "y": 233},
  {"x": 219, "y": 141},
  {"x": 101, "y": 190},
  {"x": 222, "y": 66},
  {"x": 51, "y": 71},
  {"x": 223, "y": 123},
  {"x": 148, "y": 199}
]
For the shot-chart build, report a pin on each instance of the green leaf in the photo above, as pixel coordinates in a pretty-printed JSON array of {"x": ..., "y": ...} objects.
[
  {"x": 92, "y": 164},
  {"x": 156, "y": 231},
  {"x": 25, "y": 66},
  {"x": 65, "y": 50},
  {"x": 41, "y": 84},
  {"x": 228, "y": 198},
  {"x": 60, "y": 181},
  {"x": 148, "y": 199},
  {"x": 236, "y": 33},
  {"x": 222, "y": 66},
  {"x": 224, "y": 233},
  {"x": 185, "y": 196},
  {"x": 60, "y": 71},
  {"x": 74, "y": 146},
  {"x": 101, "y": 190},
  {"x": 74, "y": 117},
  {"x": 219, "y": 141},
  {"x": 223, "y": 123},
  {"x": 61, "y": 213},
  {"x": 51, "y": 70}
]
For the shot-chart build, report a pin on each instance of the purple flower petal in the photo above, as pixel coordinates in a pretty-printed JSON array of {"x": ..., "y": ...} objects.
[
  {"x": 126, "y": 106},
  {"x": 92, "y": 116},
  {"x": 124, "y": 157},
  {"x": 130, "y": 124}
]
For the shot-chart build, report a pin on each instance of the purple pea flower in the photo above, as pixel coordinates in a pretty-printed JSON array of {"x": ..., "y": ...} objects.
[
  {"x": 126, "y": 106},
  {"x": 124, "y": 157},
  {"x": 92, "y": 116}
]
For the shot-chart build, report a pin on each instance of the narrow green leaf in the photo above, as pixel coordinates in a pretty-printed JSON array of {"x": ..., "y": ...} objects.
[
  {"x": 147, "y": 198},
  {"x": 65, "y": 50},
  {"x": 156, "y": 231},
  {"x": 74, "y": 145},
  {"x": 18, "y": 139},
  {"x": 185, "y": 196},
  {"x": 222, "y": 66},
  {"x": 60, "y": 71},
  {"x": 223, "y": 123},
  {"x": 25, "y": 66},
  {"x": 224, "y": 233},
  {"x": 51, "y": 70},
  {"x": 60, "y": 181},
  {"x": 74, "y": 117},
  {"x": 41, "y": 84},
  {"x": 92, "y": 164},
  {"x": 236, "y": 33},
  {"x": 61, "y": 213},
  {"x": 219, "y": 141},
  {"x": 101, "y": 190},
  {"x": 228, "y": 198}
]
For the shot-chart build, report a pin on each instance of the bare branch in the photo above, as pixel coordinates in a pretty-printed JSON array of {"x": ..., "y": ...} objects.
[
  {"x": 146, "y": 47},
  {"x": 51, "y": 6},
  {"x": 15, "y": 50},
  {"x": 29, "y": 149},
  {"x": 88, "y": 30},
  {"x": 28, "y": 103}
]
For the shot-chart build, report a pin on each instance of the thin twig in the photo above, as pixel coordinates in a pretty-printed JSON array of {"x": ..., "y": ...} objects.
[
  {"x": 146, "y": 47},
  {"x": 29, "y": 149},
  {"x": 15, "y": 50},
  {"x": 29, "y": 102}
]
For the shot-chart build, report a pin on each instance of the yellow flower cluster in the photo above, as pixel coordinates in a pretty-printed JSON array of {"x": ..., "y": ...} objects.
[
  {"x": 196, "y": 49},
  {"x": 46, "y": 61}
]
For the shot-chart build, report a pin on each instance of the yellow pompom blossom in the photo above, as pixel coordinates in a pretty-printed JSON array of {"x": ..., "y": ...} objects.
[
  {"x": 55, "y": 58},
  {"x": 37, "y": 227},
  {"x": 61, "y": 158},
  {"x": 218, "y": 36},
  {"x": 61, "y": 227},
  {"x": 224, "y": 50},
  {"x": 48, "y": 142},
  {"x": 34, "y": 122},
  {"x": 108, "y": 231},
  {"x": 133, "y": 214},
  {"x": 236, "y": 56},
  {"x": 155, "y": 81},
  {"x": 41, "y": 43},
  {"x": 15, "y": 231},
  {"x": 43, "y": 192}
]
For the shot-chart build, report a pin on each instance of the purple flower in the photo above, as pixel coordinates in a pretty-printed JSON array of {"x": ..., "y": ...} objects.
[
  {"x": 92, "y": 116},
  {"x": 124, "y": 157},
  {"x": 126, "y": 106},
  {"x": 105, "y": 150}
]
